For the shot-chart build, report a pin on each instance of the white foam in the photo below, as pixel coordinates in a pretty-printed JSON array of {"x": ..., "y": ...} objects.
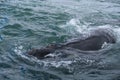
[
  {"x": 57, "y": 64},
  {"x": 74, "y": 22},
  {"x": 50, "y": 55},
  {"x": 74, "y": 25},
  {"x": 18, "y": 49},
  {"x": 104, "y": 45},
  {"x": 78, "y": 26}
]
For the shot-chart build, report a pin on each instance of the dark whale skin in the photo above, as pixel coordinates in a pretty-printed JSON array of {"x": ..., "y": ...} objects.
[{"x": 92, "y": 43}]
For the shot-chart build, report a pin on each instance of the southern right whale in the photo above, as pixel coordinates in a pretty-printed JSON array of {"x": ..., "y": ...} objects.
[{"x": 93, "y": 42}]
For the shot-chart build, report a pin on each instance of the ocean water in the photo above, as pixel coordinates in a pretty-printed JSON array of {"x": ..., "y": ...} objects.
[{"x": 27, "y": 24}]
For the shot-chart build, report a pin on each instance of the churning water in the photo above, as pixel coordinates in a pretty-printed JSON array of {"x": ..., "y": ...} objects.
[{"x": 26, "y": 24}]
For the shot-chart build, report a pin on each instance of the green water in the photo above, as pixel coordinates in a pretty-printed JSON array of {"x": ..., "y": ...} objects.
[{"x": 26, "y": 24}]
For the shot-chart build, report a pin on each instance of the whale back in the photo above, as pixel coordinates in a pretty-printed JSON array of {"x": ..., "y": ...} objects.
[{"x": 93, "y": 42}]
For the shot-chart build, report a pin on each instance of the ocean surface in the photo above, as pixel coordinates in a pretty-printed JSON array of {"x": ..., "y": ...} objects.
[{"x": 27, "y": 24}]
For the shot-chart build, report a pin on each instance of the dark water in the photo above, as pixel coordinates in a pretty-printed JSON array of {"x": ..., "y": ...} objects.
[{"x": 26, "y": 24}]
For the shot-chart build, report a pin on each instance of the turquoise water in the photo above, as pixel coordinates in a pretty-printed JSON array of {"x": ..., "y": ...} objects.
[{"x": 26, "y": 24}]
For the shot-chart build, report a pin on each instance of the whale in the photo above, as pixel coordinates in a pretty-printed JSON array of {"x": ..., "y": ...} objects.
[{"x": 93, "y": 42}]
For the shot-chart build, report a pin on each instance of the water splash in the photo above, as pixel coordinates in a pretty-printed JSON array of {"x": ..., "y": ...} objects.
[{"x": 75, "y": 25}]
